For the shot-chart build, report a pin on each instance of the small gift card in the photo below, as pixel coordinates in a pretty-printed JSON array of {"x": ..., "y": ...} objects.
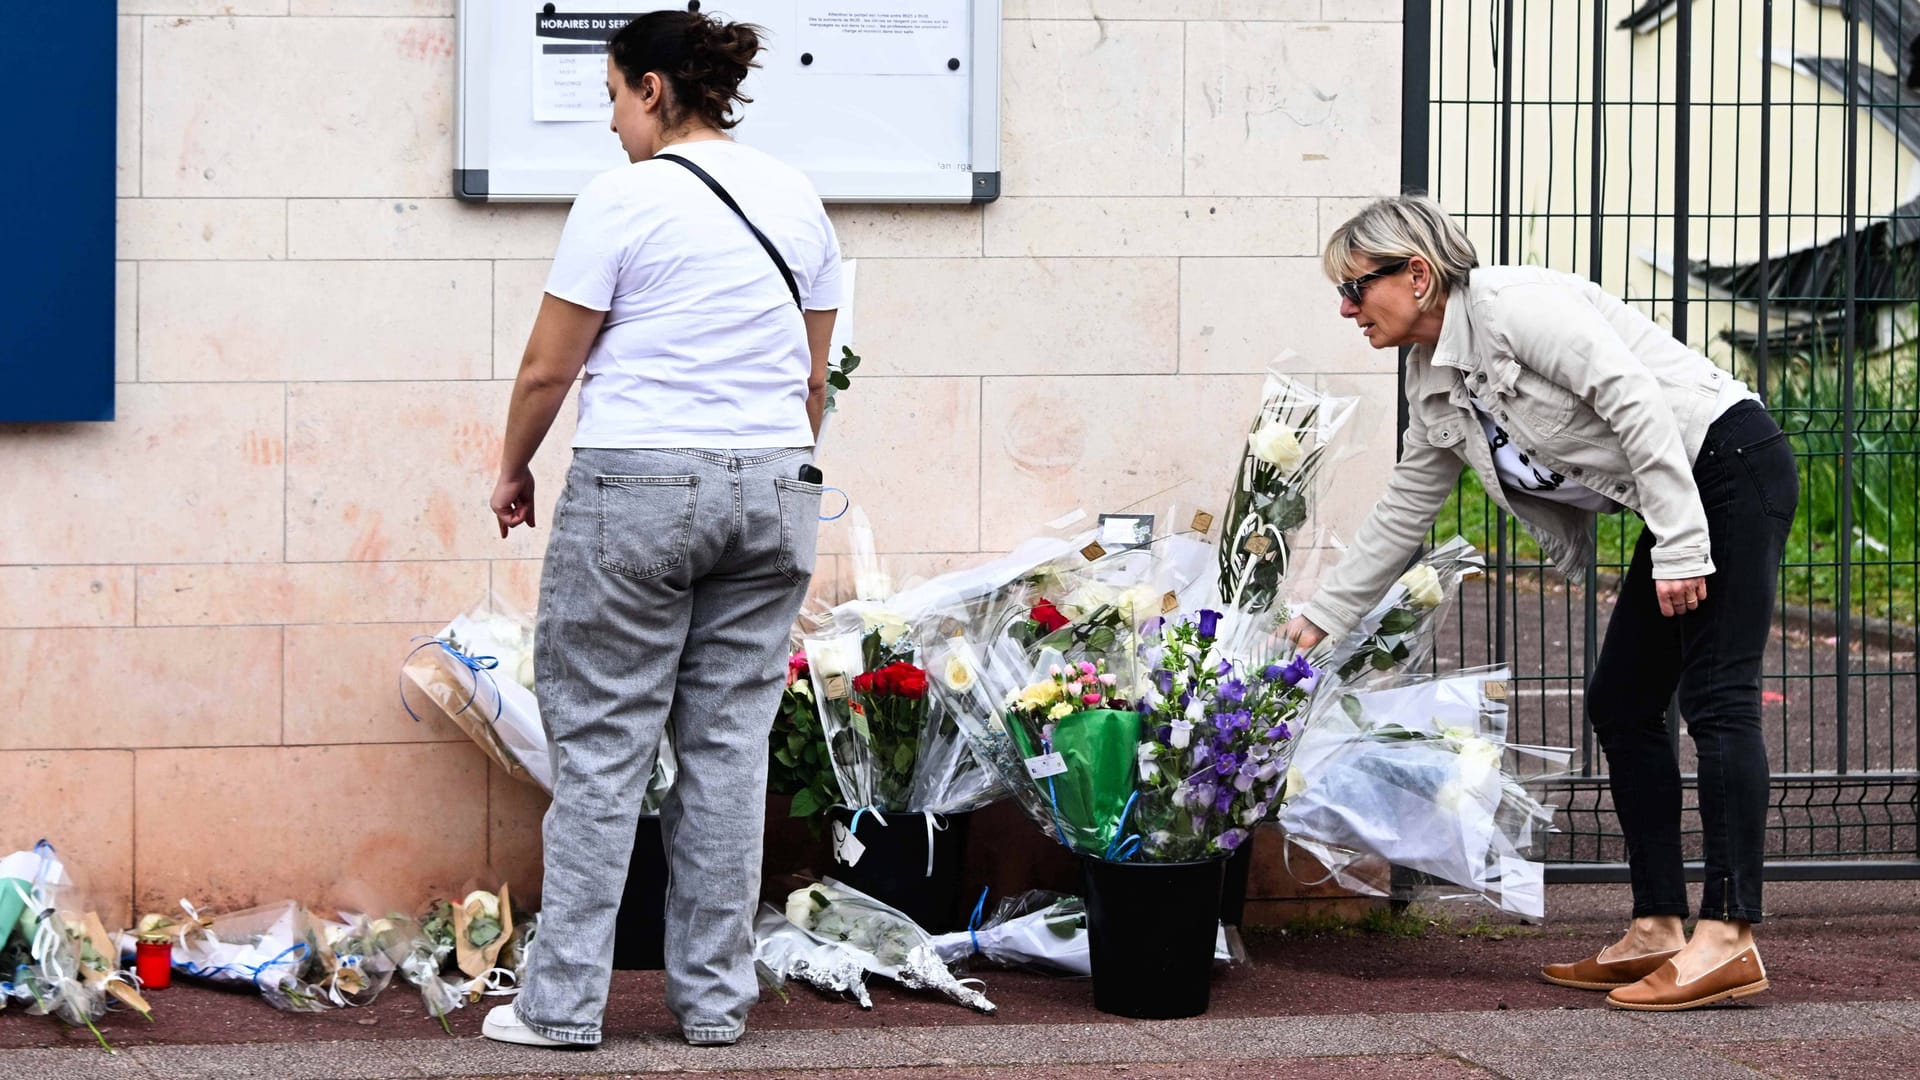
[
  {"x": 1125, "y": 532},
  {"x": 1169, "y": 603},
  {"x": 1257, "y": 544},
  {"x": 1093, "y": 551},
  {"x": 836, "y": 687},
  {"x": 1202, "y": 521},
  {"x": 1494, "y": 689},
  {"x": 1046, "y": 765},
  {"x": 847, "y": 847}
]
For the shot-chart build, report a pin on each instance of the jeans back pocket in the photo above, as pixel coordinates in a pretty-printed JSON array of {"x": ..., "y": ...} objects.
[
  {"x": 799, "y": 527},
  {"x": 646, "y": 523},
  {"x": 1771, "y": 466}
]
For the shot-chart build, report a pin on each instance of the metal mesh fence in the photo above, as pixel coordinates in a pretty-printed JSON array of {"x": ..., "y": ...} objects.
[{"x": 1766, "y": 208}]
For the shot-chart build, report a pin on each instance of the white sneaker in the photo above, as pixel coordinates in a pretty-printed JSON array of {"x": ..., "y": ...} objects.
[{"x": 504, "y": 1026}]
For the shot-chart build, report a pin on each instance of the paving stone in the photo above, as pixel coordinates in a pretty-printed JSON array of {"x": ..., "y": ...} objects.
[
  {"x": 78, "y": 1063},
  {"x": 1545, "y": 1063},
  {"x": 479, "y": 1056},
  {"x": 281, "y": 1061},
  {"x": 1829, "y": 1059},
  {"x": 1904, "y": 1013},
  {"x": 1038, "y": 1044},
  {"x": 1748, "y": 1023},
  {"x": 1282, "y": 1036},
  {"x": 866, "y": 1048},
  {"x": 1514, "y": 1029}
]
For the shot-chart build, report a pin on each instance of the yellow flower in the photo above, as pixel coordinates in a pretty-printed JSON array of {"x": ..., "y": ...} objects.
[{"x": 1060, "y": 711}]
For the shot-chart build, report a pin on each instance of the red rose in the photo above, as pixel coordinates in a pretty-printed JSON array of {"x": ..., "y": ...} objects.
[
  {"x": 866, "y": 681},
  {"x": 796, "y": 667},
  {"x": 905, "y": 680},
  {"x": 1047, "y": 616}
]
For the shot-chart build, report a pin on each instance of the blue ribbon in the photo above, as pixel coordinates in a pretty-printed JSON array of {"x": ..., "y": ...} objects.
[
  {"x": 973, "y": 922},
  {"x": 846, "y": 503},
  {"x": 478, "y": 665},
  {"x": 1053, "y": 797},
  {"x": 1123, "y": 848}
]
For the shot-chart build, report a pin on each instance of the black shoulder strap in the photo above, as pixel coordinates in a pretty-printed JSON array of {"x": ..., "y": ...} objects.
[{"x": 696, "y": 170}]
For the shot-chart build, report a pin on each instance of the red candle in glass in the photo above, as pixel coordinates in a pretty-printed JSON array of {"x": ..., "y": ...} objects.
[{"x": 153, "y": 962}]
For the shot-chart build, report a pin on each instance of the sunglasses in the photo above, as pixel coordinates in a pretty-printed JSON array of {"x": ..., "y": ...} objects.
[{"x": 1356, "y": 288}]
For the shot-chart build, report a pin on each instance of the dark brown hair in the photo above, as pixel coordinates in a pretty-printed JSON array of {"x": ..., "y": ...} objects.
[{"x": 703, "y": 61}]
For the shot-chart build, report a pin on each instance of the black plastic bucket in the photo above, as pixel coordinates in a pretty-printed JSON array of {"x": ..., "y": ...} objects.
[
  {"x": 1233, "y": 892},
  {"x": 640, "y": 930},
  {"x": 893, "y": 868},
  {"x": 1151, "y": 929}
]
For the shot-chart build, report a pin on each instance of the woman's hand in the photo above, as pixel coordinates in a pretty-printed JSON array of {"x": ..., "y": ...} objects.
[
  {"x": 1301, "y": 631},
  {"x": 1681, "y": 596},
  {"x": 513, "y": 501}
]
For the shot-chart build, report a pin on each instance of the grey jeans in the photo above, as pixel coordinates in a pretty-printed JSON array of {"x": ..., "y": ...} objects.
[{"x": 671, "y": 584}]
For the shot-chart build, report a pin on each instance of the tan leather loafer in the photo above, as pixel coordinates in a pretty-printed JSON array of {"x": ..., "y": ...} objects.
[
  {"x": 1741, "y": 975},
  {"x": 1594, "y": 973}
]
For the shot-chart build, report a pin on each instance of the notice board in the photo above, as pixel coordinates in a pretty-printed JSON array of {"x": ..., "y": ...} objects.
[
  {"x": 892, "y": 101},
  {"x": 57, "y": 65}
]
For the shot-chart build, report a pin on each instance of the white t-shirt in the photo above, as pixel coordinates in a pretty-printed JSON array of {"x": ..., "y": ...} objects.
[
  {"x": 703, "y": 346},
  {"x": 1520, "y": 472}
]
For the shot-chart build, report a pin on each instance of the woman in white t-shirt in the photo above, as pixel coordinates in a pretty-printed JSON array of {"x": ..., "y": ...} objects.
[{"x": 696, "y": 287}]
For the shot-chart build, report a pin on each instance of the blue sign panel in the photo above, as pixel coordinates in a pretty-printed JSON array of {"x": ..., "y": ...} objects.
[{"x": 58, "y": 72}]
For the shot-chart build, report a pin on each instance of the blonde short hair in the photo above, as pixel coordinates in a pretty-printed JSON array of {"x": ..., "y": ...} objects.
[{"x": 1400, "y": 228}]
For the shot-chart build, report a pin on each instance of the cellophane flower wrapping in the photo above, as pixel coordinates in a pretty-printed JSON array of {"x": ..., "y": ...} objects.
[
  {"x": 840, "y": 926},
  {"x": 1078, "y": 738},
  {"x": 1219, "y": 732},
  {"x": 1398, "y": 635},
  {"x": 1294, "y": 432},
  {"x": 1431, "y": 752},
  {"x": 1039, "y": 930},
  {"x": 55, "y": 960}
]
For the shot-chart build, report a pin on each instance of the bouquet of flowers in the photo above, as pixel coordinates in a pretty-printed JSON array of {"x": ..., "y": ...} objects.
[
  {"x": 1273, "y": 483},
  {"x": 1220, "y": 731},
  {"x": 1076, "y": 735},
  {"x": 1399, "y": 632},
  {"x": 833, "y": 935},
  {"x": 800, "y": 765},
  {"x": 1431, "y": 751},
  {"x": 61, "y": 962}
]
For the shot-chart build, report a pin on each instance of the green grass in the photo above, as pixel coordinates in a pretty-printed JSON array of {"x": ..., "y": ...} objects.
[{"x": 1805, "y": 393}]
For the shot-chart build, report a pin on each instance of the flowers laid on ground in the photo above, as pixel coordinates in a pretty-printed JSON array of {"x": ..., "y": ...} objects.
[
  {"x": 57, "y": 961},
  {"x": 1431, "y": 750},
  {"x": 833, "y": 935}
]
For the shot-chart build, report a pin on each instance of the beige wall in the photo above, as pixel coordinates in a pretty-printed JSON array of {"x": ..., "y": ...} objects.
[{"x": 204, "y": 603}]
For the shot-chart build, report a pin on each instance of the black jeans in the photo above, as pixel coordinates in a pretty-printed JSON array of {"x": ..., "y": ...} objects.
[{"x": 1711, "y": 656}]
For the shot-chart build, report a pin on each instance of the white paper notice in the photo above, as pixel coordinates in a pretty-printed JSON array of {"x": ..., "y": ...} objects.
[
  {"x": 570, "y": 65},
  {"x": 882, "y": 37}
]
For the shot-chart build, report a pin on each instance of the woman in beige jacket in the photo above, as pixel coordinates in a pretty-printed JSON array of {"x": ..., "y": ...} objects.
[{"x": 1568, "y": 403}]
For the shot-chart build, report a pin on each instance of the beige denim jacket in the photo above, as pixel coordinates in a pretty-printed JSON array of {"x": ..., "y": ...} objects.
[{"x": 1586, "y": 385}]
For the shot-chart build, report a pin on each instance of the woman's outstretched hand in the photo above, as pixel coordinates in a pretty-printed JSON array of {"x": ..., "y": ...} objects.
[
  {"x": 1681, "y": 596},
  {"x": 1301, "y": 631},
  {"x": 513, "y": 501}
]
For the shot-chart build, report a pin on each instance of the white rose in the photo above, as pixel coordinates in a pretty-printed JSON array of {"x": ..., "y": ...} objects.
[
  {"x": 1296, "y": 783},
  {"x": 1423, "y": 586},
  {"x": 834, "y": 655},
  {"x": 489, "y": 903},
  {"x": 1278, "y": 446},
  {"x": 958, "y": 671},
  {"x": 892, "y": 627},
  {"x": 801, "y": 908},
  {"x": 1088, "y": 598}
]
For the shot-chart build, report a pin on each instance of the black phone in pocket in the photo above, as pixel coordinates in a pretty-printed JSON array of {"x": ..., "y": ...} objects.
[{"x": 811, "y": 474}]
